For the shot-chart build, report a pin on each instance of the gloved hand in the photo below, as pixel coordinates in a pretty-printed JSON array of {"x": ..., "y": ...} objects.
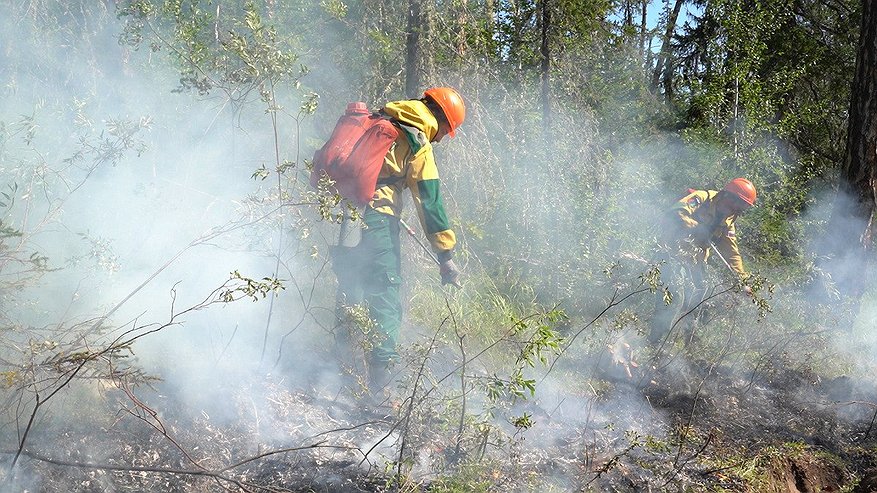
[
  {"x": 748, "y": 292},
  {"x": 450, "y": 273}
]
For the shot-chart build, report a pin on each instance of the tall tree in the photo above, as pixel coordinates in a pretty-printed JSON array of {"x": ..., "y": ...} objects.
[
  {"x": 413, "y": 56},
  {"x": 643, "y": 29},
  {"x": 545, "y": 69},
  {"x": 853, "y": 214},
  {"x": 664, "y": 67}
]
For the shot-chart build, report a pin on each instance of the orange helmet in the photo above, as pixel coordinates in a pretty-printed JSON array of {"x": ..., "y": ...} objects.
[
  {"x": 451, "y": 103},
  {"x": 742, "y": 188}
]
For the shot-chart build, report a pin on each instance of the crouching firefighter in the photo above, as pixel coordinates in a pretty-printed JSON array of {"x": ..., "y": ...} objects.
[
  {"x": 370, "y": 273},
  {"x": 697, "y": 225}
]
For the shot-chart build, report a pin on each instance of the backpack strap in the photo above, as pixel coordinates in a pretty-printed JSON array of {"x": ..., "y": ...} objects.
[
  {"x": 703, "y": 206},
  {"x": 416, "y": 140},
  {"x": 717, "y": 220}
]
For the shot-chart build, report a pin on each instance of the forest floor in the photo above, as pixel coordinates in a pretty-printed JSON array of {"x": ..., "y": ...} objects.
[{"x": 692, "y": 427}]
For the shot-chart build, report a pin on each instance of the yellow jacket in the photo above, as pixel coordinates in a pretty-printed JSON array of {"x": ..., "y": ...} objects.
[
  {"x": 410, "y": 164},
  {"x": 694, "y": 217}
]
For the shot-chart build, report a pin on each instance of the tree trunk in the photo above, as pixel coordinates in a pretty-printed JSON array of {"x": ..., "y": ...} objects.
[
  {"x": 490, "y": 17},
  {"x": 852, "y": 221},
  {"x": 427, "y": 39},
  {"x": 413, "y": 56},
  {"x": 545, "y": 68},
  {"x": 664, "y": 67},
  {"x": 643, "y": 30}
]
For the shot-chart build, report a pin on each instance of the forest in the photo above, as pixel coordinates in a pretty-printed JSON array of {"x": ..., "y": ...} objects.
[{"x": 169, "y": 314}]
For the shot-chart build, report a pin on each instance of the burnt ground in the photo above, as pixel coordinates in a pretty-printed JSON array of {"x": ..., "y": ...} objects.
[
  {"x": 266, "y": 436},
  {"x": 677, "y": 427},
  {"x": 775, "y": 429}
]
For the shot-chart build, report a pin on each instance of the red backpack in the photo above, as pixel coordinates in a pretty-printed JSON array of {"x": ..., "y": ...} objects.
[{"x": 354, "y": 154}]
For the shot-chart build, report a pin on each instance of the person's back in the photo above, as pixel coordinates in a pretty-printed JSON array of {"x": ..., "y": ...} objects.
[
  {"x": 410, "y": 163},
  {"x": 698, "y": 221}
]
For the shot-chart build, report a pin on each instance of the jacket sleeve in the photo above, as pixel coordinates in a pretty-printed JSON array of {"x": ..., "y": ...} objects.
[
  {"x": 423, "y": 181},
  {"x": 727, "y": 246}
]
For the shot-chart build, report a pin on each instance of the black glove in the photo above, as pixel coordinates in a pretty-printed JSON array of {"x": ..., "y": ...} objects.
[{"x": 450, "y": 273}]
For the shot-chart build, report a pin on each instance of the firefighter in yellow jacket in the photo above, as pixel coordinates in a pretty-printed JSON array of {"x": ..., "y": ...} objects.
[
  {"x": 701, "y": 221},
  {"x": 373, "y": 274}
]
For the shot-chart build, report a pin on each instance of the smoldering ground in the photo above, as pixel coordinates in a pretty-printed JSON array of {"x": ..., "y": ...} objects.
[
  {"x": 721, "y": 385},
  {"x": 144, "y": 237},
  {"x": 138, "y": 234}
]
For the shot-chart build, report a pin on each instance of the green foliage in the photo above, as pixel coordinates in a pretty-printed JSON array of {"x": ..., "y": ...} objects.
[
  {"x": 335, "y": 8},
  {"x": 542, "y": 340},
  {"x": 471, "y": 477},
  {"x": 228, "y": 47},
  {"x": 240, "y": 286},
  {"x": 543, "y": 193}
]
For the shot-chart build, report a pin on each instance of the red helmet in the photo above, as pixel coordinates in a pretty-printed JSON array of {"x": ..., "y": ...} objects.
[
  {"x": 451, "y": 103},
  {"x": 742, "y": 188}
]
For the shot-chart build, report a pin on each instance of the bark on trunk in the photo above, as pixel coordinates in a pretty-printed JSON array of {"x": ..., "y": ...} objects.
[
  {"x": 545, "y": 52},
  {"x": 413, "y": 58},
  {"x": 853, "y": 221},
  {"x": 643, "y": 29}
]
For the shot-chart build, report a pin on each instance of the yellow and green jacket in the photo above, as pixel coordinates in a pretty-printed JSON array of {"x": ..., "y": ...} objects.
[
  {"x": 697, "y": 210},
  {"x": 410, "y": 164}
]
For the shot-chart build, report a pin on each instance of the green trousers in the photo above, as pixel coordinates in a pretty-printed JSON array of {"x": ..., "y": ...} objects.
[{"x": 371, "y": 273}]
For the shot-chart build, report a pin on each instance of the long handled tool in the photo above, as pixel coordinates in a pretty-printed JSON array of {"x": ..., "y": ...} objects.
[
  {"x": 413, "y": 234},
  {"x": 722, "y": 257},
  {"x": 746, "y": 289}
]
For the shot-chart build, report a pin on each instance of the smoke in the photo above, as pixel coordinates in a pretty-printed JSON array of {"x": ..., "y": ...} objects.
[
  {"x": 142, "y": 203},
  {"x": 158, "y": 206},
  {"x": 842, "y": 267},
  {"x": 561, "y": 217}
]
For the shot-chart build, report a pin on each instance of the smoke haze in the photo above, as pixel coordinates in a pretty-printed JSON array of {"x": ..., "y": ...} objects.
[{"x": 142, "y": 201}]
